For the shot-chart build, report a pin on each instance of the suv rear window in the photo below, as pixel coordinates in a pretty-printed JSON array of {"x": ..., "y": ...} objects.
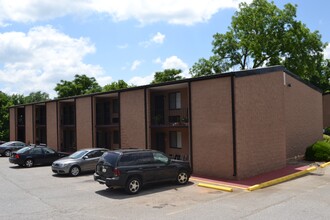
[{"x": 110, "y": 158}]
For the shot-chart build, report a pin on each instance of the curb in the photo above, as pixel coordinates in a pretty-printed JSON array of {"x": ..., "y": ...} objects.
[
  {"x": 223, "y": 188},
  {"x": 282, "y": 179},
  {"x": 325, "y": 164}
]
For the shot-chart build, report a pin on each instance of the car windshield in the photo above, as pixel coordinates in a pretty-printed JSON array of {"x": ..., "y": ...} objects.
[
  {"x": 78, "y": 154},
  {"x": 23, "y": 150}
]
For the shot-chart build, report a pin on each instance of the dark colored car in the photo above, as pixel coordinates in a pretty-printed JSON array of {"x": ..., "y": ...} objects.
[
  {"x": 7, "y": 148},
  {"x": 80, "y": 161},
  {"x": 131, "y": 169},
  {"x": 37, "y": 155}
]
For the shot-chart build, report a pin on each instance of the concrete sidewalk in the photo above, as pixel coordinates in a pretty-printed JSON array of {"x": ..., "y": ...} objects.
[{"x": 246, "y": 183}]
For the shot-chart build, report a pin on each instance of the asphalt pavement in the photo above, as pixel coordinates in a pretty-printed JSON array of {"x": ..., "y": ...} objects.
[{"x": 37, "y": 193}]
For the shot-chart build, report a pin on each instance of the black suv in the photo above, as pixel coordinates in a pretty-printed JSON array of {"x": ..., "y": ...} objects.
[{"x": 130, "y": 169}]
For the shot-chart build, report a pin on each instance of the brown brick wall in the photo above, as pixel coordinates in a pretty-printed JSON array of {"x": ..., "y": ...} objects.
[
  {"x": 52, "y": 139},
  {"x": 29, "y": 124},
  {"x": 260, "y": 125},
  {"x": 84, "y": 123},
  {"x": 212, "y": 144},
  {"x": 132, "y": 119},
  {"x": 326, "y": 110},
  {"x": 303, "y": 116},
  {"x": 12, "y": 124}
]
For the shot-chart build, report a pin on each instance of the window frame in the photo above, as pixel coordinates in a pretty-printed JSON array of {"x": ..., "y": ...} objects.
[
  {"x": 177, "y": 135},
  {"x": 177, "y": 100}
]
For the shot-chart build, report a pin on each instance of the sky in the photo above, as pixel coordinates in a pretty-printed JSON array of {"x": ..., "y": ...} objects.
[{"x": 43, "y": 42}]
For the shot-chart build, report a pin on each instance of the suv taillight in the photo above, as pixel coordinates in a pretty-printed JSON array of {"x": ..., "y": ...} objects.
[
  {"x": 17, "y": 156},
  {"x": 116, "y": 172}
]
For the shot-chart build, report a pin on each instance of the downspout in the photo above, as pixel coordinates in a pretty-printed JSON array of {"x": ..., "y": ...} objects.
[
  {"x": 233, "y": 112},
  {"x": 119, "y": 116},
  {"x": 92, "y": 116},
  {"x": 190, "y": 127},
  {"x": 145, "y": 118}
]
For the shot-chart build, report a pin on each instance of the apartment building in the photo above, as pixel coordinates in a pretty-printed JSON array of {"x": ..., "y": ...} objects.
[{"x": 233, "y": 125}]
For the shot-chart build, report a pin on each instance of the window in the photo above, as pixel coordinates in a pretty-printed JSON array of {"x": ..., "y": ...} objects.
[
  {"x": 115, "y": 106},
  {"x": 103, "y": 112},
  {"x": 48, "y": 151},
  {"x": 93, "y": 154},
  {"x": 175, "y": 100},
  {"x": 36, "y": 151},
  {"x": 115, "y": 137},
  {"x": 160, "y": 158},
  {"x": 175, "y": 139}
]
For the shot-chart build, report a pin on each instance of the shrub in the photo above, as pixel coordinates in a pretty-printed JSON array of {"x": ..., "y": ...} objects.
[
  {"x": 327, "y": 131},
  {"x": 326, "y": 138},
  {"x": 319, "y": 151}
]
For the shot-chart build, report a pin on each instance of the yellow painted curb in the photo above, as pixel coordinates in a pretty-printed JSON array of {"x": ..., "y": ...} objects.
[
  {"x": 223, "y": 188},
  {"x": 212, "y": 182},
  {"x": 325, "y": 164},
  {"x": 281, "y": 179}
]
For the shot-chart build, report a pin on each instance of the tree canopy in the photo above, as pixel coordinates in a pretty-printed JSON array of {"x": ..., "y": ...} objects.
[
  {"x": 81, "y": 85},
  {"x": 261, "y": 34},
  {"x": 36, "y": 97},
  {"x": 5, "y": 102},
  {"x": 167, "y": 75},
  {"x": 120, "y": 84}
]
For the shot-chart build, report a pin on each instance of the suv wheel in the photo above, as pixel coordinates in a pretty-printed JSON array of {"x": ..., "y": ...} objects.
[
  {"x": 29, "y": 163},
  {"x": 7, "y": 153},
  {"x": 182, "y": 177},
  {"x": 74, "y": 171},
  {"x": 133, "y": 185}
]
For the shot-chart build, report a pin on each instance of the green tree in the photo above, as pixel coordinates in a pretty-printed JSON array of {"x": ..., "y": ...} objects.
[
  {"x": 81, "y": 85},
  {"x": 120, "y": 84},
  {"x": 5, "y": 102},
  {"x": 167, "y": 75},
  {"x": 36, "y": 97},
  {"x": 261, "y": 34},
  {"x": 17, "y": 99}
]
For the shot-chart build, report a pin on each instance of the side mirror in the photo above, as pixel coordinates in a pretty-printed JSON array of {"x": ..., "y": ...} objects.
[{"x": 85, "y": 157}]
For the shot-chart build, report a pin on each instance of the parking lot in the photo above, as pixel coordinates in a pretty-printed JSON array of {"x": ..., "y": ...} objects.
[{"x": 35, "y": 193}]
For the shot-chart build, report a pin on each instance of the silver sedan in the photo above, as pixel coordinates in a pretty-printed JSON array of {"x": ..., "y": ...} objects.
[{"x": 81, "y": 161}]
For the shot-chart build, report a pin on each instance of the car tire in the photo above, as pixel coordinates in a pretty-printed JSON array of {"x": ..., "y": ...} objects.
[
  {"x": 29, "y": 163},
  {"x": 7, "y": 153},
  {"x": 182, "y": 177},
  {"x": 74, "y": 171},
  {"x": 133, "y": 185}
]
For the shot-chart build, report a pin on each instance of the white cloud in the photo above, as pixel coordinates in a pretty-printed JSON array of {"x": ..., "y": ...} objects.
[
  {"x": 123, "y": 46},
  {"x": 135, "y": 64},
  {"x": 140, "y": 80},
  {"x": 40, "y": 58},
  {"x": 327, "y": 52},
  {"x": 184, "y": 12},
  {"x": 156, "y": 39},
  {"x": 174, "y": 62}
]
